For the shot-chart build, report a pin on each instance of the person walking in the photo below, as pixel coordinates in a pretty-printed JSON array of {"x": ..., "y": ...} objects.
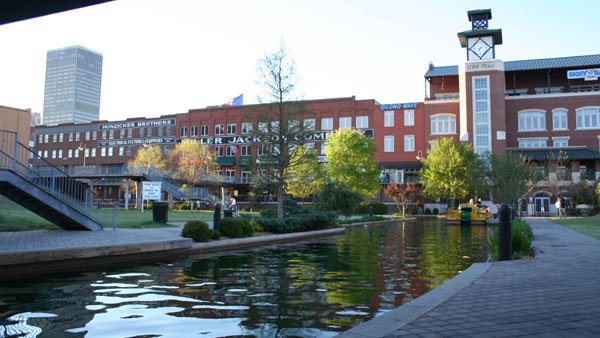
[
  {"x": 557, "y": 205},
  {"x": 563, "y": 207}
]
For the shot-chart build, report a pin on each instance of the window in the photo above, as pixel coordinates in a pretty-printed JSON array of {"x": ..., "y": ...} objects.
[
  {"x": 588, "y": 118},
  {"x": 41, "y": 138},
  {"x": 121, "y": 134},
  {"x": 409, "y": 117},
  {"x": 323, "y": 149},
  {"x": 60, "y": 137},
  {"x": 59, "y": 153},
  {"x": 362, "y": 122},
  {"x": 46, "y": 138},
  {"x": 559, "y": 119},
  {"x": 275, "y": 127},
  {"x": 219, "y": 129},
  {"x": 246, "y": 128},
  {"x": 93, "y": 154},
  {"x": 159, "y": 131},
  {"x": 45, "y": 153},
  {"x": 104, "y": 134},
  {"x": 86, "y": 153},
  {"x": 54, "y": 138},
  {"x": 94, "y": 135},
  {"x": 245, "y": 150},
  {"x": 111, "y": 134},
  {"x": 54, "y": 153},
  {"x": 87, "y": 136},
  {"x": 40, "y": 153},
  {"x": 443, "y": 124},
  {"x": 184, "y": 131},
  {"x": 230, "y": 150},
  {"x": 219, "y": 151},
  {"x": 327, "y": 123},
  {"x": 110, "y": 151},
  {"x": 102, "y": 152},
  {"x": 128, "y": 151},
  {"x": 388, "y": 118},
  {"x": 70, "y": 137},
  {"x": 143, "y": 129},
  {"x": 532, "y": 121},
  {"x": 309, "y": 124},
  {"x": 76, "y": 155},
  {"x": 77, "y": 136},
  {"x": 121, "y": 151},
  {"x": 149, "y": 132},
  {"x": 482, "y": 131},
  {"x": 345, "y": 122},
  {"x": 388, "y": 143},
  {"x": 409, "y": 143},
  {"x": 263, "y": 127},
  {"x": 70, "y": 153},
  {"x": 231, "y": 129},
  {"x": 168, "y": 130},
  {"x": 532, "y": 143},
  {"x": 194, "y": 131},
  {"x": 204, "y": 130},
  {"x": 560, "y": 142},
  {"x": 293, "y": 126}
]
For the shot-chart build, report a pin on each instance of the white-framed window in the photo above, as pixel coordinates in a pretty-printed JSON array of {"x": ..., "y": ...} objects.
[
  {"x": 588, "y": 118},
  {"x": 40, "y": 153},
  {"x": 323, "y": 149},
  {"x": 309, "y": 124},
  {"x": 70, "y": 153},
  {"x": 263, "y": 127},
  {"x": 231, "y": 129},
  {"x": 327, "y": 123},
  {"x": 246, "y": 128},
  {"x": 409, "y": 143},
  {"x": 46, "y": 138},
  {"x": 70, "y": 137},
  {"x": 45, "y": 153},
  {"x": 76, "y": 153},
  {"x": 219, "y": 151},
  {"x": 110, "y": 151},
  {"x": 41, "y": 139},
  {"x": 194, "y": 131},
  {"x": 59, "y": 153},
  {"x": 219, "y": 129},
  {"x": 245, "y": 150},
  {"x": 482, "y": 138},
  {"x": 362, "y": 122},
  {"x": 60, "y": 137},
  {"x": 102, "y": 152},
  {"x": 409, "y": 117},
  {"x": 230, "y": 150},
  {"x": 95, "y": 135},
  {"x": 388, "y": 143},
  {"x": 142, "y": 130},
  {"x": 204, "y": 130},
  {"x": 275, "y": 127},
  {"x": 345, "y": 122},
  {"x": 293, "y": 126},
  {"x": 149, "y": 131},
  {"x": 443, "y": 124},
  {"x": 87, "y": 136},
  {"x": 184, "y": 132},
  {"x": 560, "y": 142},
  {"x": 111, "y": 134},
  {"x": 53, "y": 153},
  {"x": 86, "y": 153},
  {"x": 104, "y": 134},
  {"x": 93, "y": 152},
  {"x": 532, "y": 142},
  {"x": 54, "y": 137},
  {"x": 121, "y": 151},
  {"x": 388, "y": 118},
  {"x": 532, "y": 120},
  {"x": 559, "y": 119}
]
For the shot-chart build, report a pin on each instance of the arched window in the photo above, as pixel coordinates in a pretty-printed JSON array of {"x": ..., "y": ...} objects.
[
  {"x": 588, "y": 118},
  {"x": 532, "y": 120},
  {"x": 559, "y": 119},
  {"x": 443, "y": 124}
]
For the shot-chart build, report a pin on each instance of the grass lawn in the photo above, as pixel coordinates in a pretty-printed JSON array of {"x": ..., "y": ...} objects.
[
  {"x": 14, "y": 217},
  {"x": 586, "y": 225}
]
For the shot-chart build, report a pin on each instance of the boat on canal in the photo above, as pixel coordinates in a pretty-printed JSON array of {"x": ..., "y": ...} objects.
[{"x": 468, "y": 213}]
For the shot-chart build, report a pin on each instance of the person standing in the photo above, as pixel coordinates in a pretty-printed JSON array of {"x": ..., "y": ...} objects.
[
  {"x": 557, "y": 205},
  {"x": 232, "y": 204},
  {"x": 563, "y": 207}
]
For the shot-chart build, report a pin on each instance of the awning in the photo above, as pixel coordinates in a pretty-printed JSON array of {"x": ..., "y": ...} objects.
[
  {"x": 566, "y": 153},
  {"x": 225, "y": 160}
]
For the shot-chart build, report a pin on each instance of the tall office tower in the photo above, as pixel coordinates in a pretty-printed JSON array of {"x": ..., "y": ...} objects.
[{"x": 72, "y": 90}]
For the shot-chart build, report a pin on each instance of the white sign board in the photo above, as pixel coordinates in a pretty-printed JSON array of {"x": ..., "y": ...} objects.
[
  {"x": 151, "y": 190},
  {"x": 586, "y": 74}
]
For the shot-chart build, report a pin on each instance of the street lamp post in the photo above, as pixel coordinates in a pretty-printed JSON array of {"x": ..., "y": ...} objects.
[{"x": 84, "y": 148}]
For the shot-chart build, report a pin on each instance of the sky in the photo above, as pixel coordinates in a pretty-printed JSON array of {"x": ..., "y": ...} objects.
[{"x": 170, "y": 56}]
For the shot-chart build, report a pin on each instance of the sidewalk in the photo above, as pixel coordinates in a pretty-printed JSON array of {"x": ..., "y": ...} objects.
[{"x": 556, "y": 294}]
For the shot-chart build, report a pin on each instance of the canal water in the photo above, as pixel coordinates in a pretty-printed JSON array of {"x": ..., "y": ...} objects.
[{"x": 316, "y": 288}]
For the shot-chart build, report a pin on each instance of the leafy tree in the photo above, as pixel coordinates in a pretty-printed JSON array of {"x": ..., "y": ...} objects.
[
  {"x": 449, "y": 170},
  {"x": 351, "y": 161},
  {"x": 279, "y": 124},
  {"x": 510, "y": 177},
  {"x": 190, "y": 161},
  {"x": 336, "y": 197},
  {"x": 148, "y": 158},
  {"x": 403, "y": 194},
  {"x": 306, "y": 177}
]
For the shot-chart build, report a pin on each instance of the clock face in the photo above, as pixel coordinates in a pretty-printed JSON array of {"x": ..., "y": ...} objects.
[{"x": 480, "y": 48}]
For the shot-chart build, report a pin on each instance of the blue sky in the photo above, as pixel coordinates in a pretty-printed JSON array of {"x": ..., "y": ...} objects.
[{"x": 165, "y": 57}]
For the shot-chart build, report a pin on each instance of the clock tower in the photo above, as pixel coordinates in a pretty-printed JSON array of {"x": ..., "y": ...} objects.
[{"x": 482, "y": 86}]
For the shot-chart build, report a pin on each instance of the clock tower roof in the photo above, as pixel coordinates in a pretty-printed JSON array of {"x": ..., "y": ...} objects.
[{"x": 496, "y": 34}]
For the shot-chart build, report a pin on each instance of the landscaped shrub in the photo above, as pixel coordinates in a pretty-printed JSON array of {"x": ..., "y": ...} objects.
[
  {"x": 522, "y": 236},
  {"x": 298, "y": 222},
  {"x": 414, "y": 211},
  {"x": 198, "y": 231},
  {"x": 236, "y": 227},
  {"x": 436, "y": 211},
  {"x": 378, "y": 208}
]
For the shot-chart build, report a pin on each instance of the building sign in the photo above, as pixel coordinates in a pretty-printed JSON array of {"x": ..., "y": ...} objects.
[
  {"x": 138, "y": 124},
  {"x": 396, "y": 106},
  {"x": 137, "y": 141},
  {"x": 482, "y": 66},
  {"x": 586, "y": 74},
  {"x": 300, "y": 137},
  {"x": 151, "y": 190}
]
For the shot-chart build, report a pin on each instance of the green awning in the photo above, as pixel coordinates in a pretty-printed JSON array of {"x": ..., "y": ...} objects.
[
  {"x": 245, "y": 160},
  {"x": 225, "y": 160},
  {"x": 568, "y": 153}
]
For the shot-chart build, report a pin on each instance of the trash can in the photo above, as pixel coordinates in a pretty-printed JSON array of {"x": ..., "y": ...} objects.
[
  {"x": 160, "y": 212},
  {"x": 227, "y": 213}
]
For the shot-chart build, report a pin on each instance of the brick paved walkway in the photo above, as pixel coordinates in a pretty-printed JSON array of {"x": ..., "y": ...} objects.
[{"x": 556, "y": 294}]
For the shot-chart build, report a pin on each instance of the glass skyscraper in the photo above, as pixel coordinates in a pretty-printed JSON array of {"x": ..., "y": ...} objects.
[{"x": 72, "y": 90}]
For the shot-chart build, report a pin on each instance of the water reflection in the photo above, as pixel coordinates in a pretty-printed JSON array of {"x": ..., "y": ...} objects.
[{"x": 310, "y": 289}]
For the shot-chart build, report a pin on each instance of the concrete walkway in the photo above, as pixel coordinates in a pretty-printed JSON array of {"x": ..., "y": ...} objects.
[{"x": 556, "y": 294}]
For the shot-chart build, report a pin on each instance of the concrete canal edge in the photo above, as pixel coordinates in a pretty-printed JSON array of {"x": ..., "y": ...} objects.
[{"x": 397, "y": 318}]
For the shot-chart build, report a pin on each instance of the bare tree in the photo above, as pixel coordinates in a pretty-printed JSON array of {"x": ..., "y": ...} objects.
[{"x": 282, "y": 125}]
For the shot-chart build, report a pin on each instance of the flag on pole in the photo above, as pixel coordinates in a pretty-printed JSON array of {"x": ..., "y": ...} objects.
[{"x": 236, "y": 101}]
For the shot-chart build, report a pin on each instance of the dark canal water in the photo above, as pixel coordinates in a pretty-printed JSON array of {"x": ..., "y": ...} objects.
[{"x": 311, "y": 289}]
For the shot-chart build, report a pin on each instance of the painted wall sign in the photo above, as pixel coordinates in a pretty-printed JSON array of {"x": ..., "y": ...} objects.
[
  {"x": 138, "y": 124},
  {"x": 137, "y": 141},
  {"x": 300, "y": 137},
  {"x": 396, "y": 106},
  {"x": 586, "y": 74}
]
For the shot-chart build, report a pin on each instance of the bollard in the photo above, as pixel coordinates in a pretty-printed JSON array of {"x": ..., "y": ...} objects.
[
  {"x": 217, "y": 217},
  {"x": 505, "y": 233},
  {"x": 370, "y": 210}
]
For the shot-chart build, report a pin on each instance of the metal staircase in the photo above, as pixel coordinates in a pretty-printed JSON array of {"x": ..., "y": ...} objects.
[
  {"x": 174, "y": 188},
  {"x": 34, "y": 183}
]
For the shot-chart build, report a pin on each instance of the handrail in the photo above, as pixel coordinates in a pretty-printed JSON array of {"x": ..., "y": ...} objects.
[{"x": 19, "y": 159}]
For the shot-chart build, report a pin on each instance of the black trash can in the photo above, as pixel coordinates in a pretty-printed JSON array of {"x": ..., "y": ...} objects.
[
  {"x": 227, "y": 213},
  {"x": 160, "y": 212}
]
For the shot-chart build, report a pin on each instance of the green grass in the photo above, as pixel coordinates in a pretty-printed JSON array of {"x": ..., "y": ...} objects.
[
  {"x": 14, "y": 217},
  {"x": 586, "y": 225}
]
